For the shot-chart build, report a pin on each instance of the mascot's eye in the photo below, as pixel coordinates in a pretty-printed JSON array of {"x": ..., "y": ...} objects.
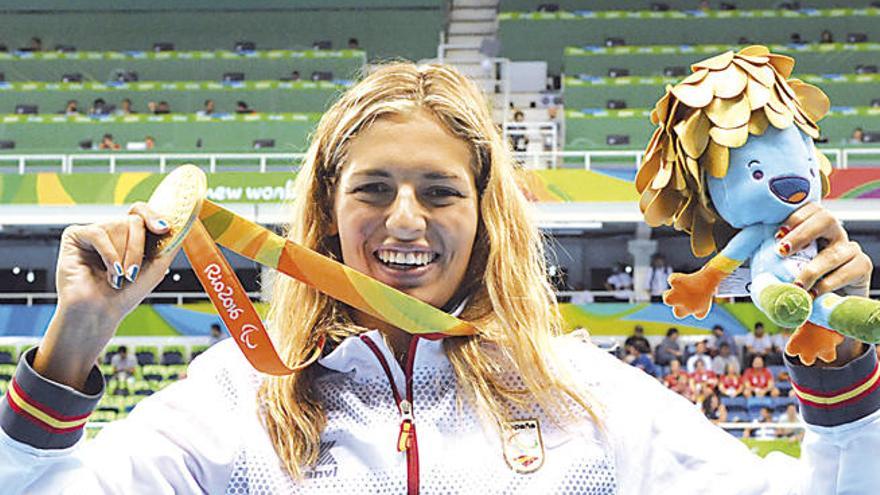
[
  {"x": 757, "y": 175},
  {"x": 812, "y": 172}
]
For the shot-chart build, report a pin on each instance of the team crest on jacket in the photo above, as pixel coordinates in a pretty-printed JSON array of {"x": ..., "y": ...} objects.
[{"x": 523, "y": 445}]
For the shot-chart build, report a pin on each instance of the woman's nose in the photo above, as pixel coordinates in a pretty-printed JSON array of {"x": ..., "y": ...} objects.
[{"x": 406, "y": 217}]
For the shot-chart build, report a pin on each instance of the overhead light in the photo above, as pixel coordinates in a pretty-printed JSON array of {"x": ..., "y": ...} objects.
[
  {"x": 30, "y": 276},
  {"x": 176, "y": 277},
  {"x": 16, "y": 270}
]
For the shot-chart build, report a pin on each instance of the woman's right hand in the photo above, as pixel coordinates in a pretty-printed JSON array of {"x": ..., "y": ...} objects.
[{"x": 101, "y": 276}]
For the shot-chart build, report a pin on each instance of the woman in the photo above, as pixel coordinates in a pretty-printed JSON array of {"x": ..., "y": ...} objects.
[
  {"x": 731, "y": 383},
  {"x": 408, "y": 180}
]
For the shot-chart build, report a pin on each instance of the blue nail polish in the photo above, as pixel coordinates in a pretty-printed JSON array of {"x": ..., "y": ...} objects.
[
  {"x": 116, "y": 281},
  {"x": 162, "y": 224},
  {"x": 132, "y": 273},
  {"x": 118, "y": 267}
]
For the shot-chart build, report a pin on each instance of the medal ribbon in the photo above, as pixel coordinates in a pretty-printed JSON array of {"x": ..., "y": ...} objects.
[{"x": 217, "y": 225}]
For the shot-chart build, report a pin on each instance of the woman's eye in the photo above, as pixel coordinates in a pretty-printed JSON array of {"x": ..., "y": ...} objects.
[
  {"x": 373, "y": 188},
  {"x": 442, "y": 192},
  {"x": 757, "y": 175}
]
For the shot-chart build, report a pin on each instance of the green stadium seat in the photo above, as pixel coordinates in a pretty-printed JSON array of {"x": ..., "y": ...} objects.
[
  {"x": 173, "y": 355},
  {"x": 176, "y": 372},
  {"x": 147, "y": 354},
  {"x": 103, "y": 416},
  {"x": 143, "y": 388},
  {"x": 7, "y": 371},
  {"x": 4, "y": 384},
  {"x": 153, "y": 372},
  {"x": 196, "y": 350},
  {"x": 8, "y": 354}
]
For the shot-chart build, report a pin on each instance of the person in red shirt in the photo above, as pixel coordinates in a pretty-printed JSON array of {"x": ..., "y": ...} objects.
[
  {"x": 758, "y": 380},
  {"x": 702, "y": 381},
  {"x": 731, "y": 384},
  {"x": 678, "y": 379}
]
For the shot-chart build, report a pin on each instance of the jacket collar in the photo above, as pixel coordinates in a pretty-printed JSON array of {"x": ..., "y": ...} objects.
[{"x": 353, "y": 356}]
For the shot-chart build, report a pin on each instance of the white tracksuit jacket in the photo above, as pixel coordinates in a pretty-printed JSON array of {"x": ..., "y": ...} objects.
[{"x": 203, "y": 434}]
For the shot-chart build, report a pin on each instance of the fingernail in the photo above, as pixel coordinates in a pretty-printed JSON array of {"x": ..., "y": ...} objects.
[
  {"x": 799, "y": 283},
  {"x": 783, "y": 248},
  {"x": 782, "y": 232},
  {"x": 116, "y": 281},
  {"x": 118, "y": 267},
  {"x": 814, "y": 292},
  {"x": 162, "y": 224},
  {"x": 132, "y": 273}
]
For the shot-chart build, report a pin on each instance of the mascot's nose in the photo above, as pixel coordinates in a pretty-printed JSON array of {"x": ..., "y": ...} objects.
[{"x": 790, "y": 189}]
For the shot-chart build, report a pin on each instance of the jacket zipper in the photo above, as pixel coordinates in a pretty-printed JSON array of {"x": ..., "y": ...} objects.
[{"x": 406, "y": 438}]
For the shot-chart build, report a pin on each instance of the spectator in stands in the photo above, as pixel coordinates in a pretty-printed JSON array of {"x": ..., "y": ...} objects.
[
  {"x": 72, "y": 108},
  {"x": 216, "y": 334},
  {"x": 107, "y": 143},
  {"x": 658, "y": 278},
  {"x": 731, "y": 384},
  {"x": 125, "y": 108},
  {"x": 757, "y": 343},
  {"x": 638, "y": 338},
  {"x": 719, "y": 337},
  {"x": 640, "y": 358},
  {"x": 779, "y": 341},
  {"x": 519, "y": 141},
  {"x": 36, "y": 44},
  {"x": 353, "y": 44},
  {"x": 713, "y": 409},
  {"x": 99, "y": 107},
  {"x": 790, "y": 416},
  {"x": 857, "y": 135},
  {"x": 620, "y": 282},
  {"x": 162, "y": 108},
  {"x": 668, "y": 349},
  {"x": 294, "y": 76},
  {"x": 795, "y": 39},
  {"x": 724, "y": 359},
  {"x": 242, "y": 107},
  {"x": 149, "y": 142},
  {"x": 759, "y": 381},
  {"x": 151, "y": 107},
  {"x": 124, "y": 366},
  {"x": 702, "y": 381},
  {"x": 826, "y": 37},
  {"x": 764, "y": 432},
  {"x": 677, "y": 379},
  {"x": 207, "y": 109},
  {"x": 701, "y": 355}
]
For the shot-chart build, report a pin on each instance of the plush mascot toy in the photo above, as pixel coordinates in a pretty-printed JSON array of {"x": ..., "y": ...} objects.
[{"x": 732, "y": 158}]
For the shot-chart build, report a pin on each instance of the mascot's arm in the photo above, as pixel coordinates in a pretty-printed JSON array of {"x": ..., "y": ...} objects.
[{"x": 691, "y": 294}]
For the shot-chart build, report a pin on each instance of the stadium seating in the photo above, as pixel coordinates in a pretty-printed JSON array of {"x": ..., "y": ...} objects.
[
  {"x": 652, "y": 60},
  {"x": 182, "y": 96},
  {"x": 543, "y": 36},
  {"x": 176, "y": 132},
  {"x": 209, "y": 25},
  {"x": 181, "y": 66},
  {"x": 643, "y": 92},
  {"x": 7, "y": 355},
  {"x": 7, "y": 371},
  {"x": 591, "y": 130},
  {"x": 147, "y": 354},
  {"x": 575, "y": 5}
]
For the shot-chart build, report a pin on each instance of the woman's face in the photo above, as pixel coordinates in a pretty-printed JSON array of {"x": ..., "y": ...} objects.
[{"x": 406, "y": 206}]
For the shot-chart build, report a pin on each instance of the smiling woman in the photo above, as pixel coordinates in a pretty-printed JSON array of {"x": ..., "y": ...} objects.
[{"x": 409, "y": 181}]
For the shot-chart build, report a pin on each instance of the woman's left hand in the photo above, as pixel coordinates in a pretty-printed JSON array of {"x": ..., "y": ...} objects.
[{"x": 841, "y": 263}]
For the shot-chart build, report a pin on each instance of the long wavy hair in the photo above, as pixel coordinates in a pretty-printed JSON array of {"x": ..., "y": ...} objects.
[{"x": 508, "y": 294}]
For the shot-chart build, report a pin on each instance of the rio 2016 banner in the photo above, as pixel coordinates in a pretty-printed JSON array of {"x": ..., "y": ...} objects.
[{"x": 552, "y": 186}]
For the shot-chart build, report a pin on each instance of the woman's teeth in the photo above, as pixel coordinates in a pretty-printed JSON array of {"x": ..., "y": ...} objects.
[{"x": 399, "y": 258}]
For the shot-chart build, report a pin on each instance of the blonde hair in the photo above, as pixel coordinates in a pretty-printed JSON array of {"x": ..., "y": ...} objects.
[
  {"x": 726, "y": 99},
  {"x": 509, "y": 296}
]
